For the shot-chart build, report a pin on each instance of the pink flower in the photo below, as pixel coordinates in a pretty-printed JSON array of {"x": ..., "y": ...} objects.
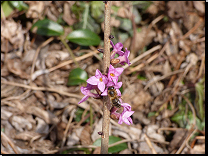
[
  {"x": 125, "y": 117},
  {"x": 99, "y": 80},
  {"x": 126, "y": 106},
  {"x": 116, "y": 49},
  {"x": 111, "y": 83},
  {"x": 86, "y": 91},
  {"x": 113, "y": 73},
  {"x": 124, "y": 58}
]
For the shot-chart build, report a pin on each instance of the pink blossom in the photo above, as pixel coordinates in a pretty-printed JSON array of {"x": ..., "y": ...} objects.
[
  {"x": 114, "y": 73},
  {"x": 87, "y": 92},
  {"x": 124, "y": 58},
  {"x": 99, "y": 80},
  {"x": 116, "y": 49},
  {"x": 111, "y": 83},
  {"x": 125, "y": 117}
]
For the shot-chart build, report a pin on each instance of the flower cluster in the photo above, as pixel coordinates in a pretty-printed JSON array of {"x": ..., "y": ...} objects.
[{"x": 100, "y": 84}]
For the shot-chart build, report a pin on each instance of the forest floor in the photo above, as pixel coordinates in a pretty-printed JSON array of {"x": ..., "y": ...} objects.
[{"x": 164, "y": 83}]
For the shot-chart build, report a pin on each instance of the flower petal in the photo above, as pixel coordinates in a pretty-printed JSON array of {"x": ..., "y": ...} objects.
[
  {"x": 118, "y": 46},
  {"x": 83, "y": 99},
  {"x": 118, "y": 85},
  {"x": 98, "y": 74},
  {"x": 120, "y": 120},
  {"x": 110, "y": 83},
  {"x": 115, "y": 79},
  {"x": 121, "y": 53},
  {"x": 105, "y": 79},
  {"x": 110, "y": 68},
  {"x": 93, "y": 80},
  {"x": 101, "y": 86},
  {"x": 111, "y": 42},
  {"x": 118, "y": 92},
  {"x": 105, "y": 93},
  {"x": 84, "y": 90},
  {"x": 118, "y": 71}
]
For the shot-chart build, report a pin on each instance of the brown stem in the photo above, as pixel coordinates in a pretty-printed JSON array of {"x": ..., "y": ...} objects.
[{"x": 106, "y": 63}]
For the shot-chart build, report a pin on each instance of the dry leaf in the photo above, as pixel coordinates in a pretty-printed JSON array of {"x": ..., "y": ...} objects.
[
  {"x": 68, "y": 16},
  {"x": 199, "y": 5},
  {"x": 27, "y": 135},
  {"x": 74, "y": 137},
  {"x": 143, "y": 38},
  {"x": 177, "y": 140},
  {"x": 152, "y": 133},
  {"x": 35, "y": 9},
  {"x": 14, "y": 66},
  {"x": 42, "y": 126},
  {"x": 45, "y": 115},
  {"x": 20, "y": 123},
  {"x": 85, "y": 136}
]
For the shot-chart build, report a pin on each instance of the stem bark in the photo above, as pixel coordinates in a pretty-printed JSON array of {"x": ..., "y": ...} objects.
[{"x": 106, "y": 63}]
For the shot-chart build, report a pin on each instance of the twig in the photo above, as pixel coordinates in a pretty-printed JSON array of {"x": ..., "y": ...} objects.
[
  {"x": 169, "y": 129},
  {"x": 176, "y": 68},
  {"x": 191, "y": 132},
  {"x": 69, "y": 50},
  {"x": 36, "y": 55},
  {"x": 40, "y": 88},
  {"x": 20, "y": 97},
  {"x": 142, "y": 64},
  {"x": 143, "y": 55},
  {"x": 201, "y": 68},
  {"x": 192, "y": 30},
  {"x": 4, "y": 152},
  {"x": 163, "y": 77},
  {"x": 67, "y": 127},
  {"x": 96, "y": 107},
  {"x": 149, "y": 28},
  {"x": 106, "y": 63},
  {"x": 40, "y": 72},
  {"x": 71, "y": 61},
  {"x": 150, "y": 144},
  {"x": 10, "y": 142}
]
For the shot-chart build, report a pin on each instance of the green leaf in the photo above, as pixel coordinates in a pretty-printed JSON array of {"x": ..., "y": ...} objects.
[
  {"x": 142, "y": 4},
  {"x": 77, "y": 76},
  {"x": 97, "y": 11},
  {"x": 48, "y": 28},
  {"x": 20, "y": 5},
  {"x": 84, "y": 37},
  {"x": 114, "y": 149},
  {"x": 199, "y": 100},
  {"x": 86, "y": 21},
  {"x": 7, "y": 8},
  {"x": 150, "y": 114},
  {"x": 141, "y": 77},
  {"x": 125, "y": 24}
]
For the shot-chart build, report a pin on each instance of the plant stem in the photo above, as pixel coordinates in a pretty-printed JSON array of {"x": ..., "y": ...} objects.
[
  {"x": 86, "y": 13},
  {"x": 106, "y": 63},
  {"x": 69, "y": 50}
]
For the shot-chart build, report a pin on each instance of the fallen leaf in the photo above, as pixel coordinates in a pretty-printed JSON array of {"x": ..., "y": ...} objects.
[
  {"x": 49, "y": 117},
  {"x": 20, "y": 123},
  {"x": 85, "y": 136},
  {"x": 199, "y": 5}
]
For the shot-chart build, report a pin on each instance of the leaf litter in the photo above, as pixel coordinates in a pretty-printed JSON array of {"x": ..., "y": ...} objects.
[{"x": 37, "y": 110}]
